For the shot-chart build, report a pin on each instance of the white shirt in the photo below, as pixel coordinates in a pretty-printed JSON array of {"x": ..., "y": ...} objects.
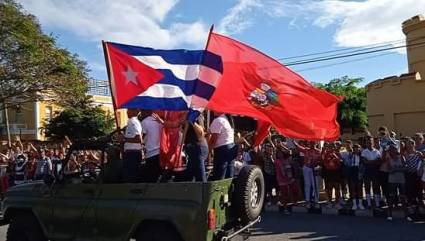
[
  {"x": 222, "y": 127},
  {"x": 371, "y": 155},
  {"x": 133, "y": 128},
  {"x": 152, "y": 136}
]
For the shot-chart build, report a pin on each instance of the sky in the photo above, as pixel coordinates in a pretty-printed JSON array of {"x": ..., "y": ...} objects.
[{"x": 279, "y": 28}]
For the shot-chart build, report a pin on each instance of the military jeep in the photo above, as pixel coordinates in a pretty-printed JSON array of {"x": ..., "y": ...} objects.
[{"x": 92, "y": 204}]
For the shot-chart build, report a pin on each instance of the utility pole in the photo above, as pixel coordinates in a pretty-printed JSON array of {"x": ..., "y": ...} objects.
[{"x": 6, "y": 119}]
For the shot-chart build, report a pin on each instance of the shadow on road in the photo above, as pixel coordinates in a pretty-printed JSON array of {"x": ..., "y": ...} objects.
[{"x": 277, "y": 226}]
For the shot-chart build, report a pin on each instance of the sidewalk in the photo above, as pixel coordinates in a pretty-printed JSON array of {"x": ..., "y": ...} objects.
[{"x": 347, "y": 211}]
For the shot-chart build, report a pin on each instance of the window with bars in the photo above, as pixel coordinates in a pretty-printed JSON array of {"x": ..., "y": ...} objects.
[
  {"x": 49, "y": 113},
  {"x": 98, "y": 87}
]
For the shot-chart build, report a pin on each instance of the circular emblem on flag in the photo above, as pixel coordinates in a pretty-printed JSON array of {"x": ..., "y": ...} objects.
[{"x": 263, "y": 97}]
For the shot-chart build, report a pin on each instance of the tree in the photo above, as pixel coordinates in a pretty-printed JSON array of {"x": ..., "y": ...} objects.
[
  {"x": 352, "y": 110},
  {"x": 32, "y": 66},
  {"x": 84, "y": 121}
]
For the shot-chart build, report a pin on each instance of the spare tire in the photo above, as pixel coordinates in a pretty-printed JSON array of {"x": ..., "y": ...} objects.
[{"x": 248, "y": 196}]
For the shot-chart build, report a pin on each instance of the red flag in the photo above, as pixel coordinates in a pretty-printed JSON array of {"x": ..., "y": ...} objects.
[
  {"x": 171, "y": 140},
  {"x": 258, "y": 86},
  {"x": 129, "y": 77},
  {"x": 261, "y": 133}
]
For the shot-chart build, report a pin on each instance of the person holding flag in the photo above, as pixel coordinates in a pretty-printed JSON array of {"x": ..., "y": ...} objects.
[
  {"x": 196, "y": 148},
  {"x": 226, "y": 77},
  {"x": 162, "y": 80}
]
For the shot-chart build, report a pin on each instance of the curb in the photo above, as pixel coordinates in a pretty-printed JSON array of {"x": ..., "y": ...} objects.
[{"x": 372, "y": 213}]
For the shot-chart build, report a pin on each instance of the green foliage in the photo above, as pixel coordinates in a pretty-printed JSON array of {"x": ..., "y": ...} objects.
[
  {"x": 352, "y": 110},
  {"x": 80, "y": 123},
  {"x": 32, "y": 66}
]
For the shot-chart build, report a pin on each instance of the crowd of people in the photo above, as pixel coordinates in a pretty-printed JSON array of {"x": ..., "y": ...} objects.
[
  {"x": 374, "y": 171},
  {"x": 368, "y": 173},
  {"x": 25, "y": 161}
]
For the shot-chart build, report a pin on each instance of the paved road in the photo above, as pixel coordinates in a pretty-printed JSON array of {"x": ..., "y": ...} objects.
[{"x": 300, "y": 227}]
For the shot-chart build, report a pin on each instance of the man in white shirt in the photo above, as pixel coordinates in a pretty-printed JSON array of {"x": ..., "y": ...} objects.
[
  {"x": 371, "y": 158},
  {"x": 44, "y": 166},
  {"x": 222, "y": 140},
  {"x": 151, "y": 136},
  {"x": 132, "y": 148}
]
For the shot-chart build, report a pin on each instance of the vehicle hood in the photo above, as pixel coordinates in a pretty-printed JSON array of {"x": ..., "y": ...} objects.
[{"x": 27, "y": 189}]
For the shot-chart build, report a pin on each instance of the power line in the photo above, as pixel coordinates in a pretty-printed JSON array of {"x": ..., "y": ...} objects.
[
  {"x": 343, "y": 62},
  {"x": 350, "y": 55},
  {"x": 350, "y": 50},
  {"x": 340, "y": 54},
  {"x": 383, "y": 44}
]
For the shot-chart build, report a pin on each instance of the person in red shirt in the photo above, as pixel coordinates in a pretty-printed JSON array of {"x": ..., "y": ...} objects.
[
  {"x": 331, "y": 172},
  {"x": 288, "y": 185},
  {"x": 311, "y": 169}
]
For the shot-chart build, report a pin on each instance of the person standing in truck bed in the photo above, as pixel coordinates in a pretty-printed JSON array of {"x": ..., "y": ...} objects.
[
  {"x": 222, "y": 141},
  {"x": 196, "y": 148},
  {"x": 151, "y": 129},
  {"x": 132, "y": 148}
]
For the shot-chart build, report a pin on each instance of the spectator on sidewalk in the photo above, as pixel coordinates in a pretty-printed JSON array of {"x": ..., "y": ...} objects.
[
  {"x": 257, "y": 157},
  {"x": 420, "y": 143},
  {"x": 396, "y": 180},
  {"x": 311, "y": 171},
  {"x": 245, "y": 156},
  {"x": 342, "y": 151},
  {"x": 269, "y": 157},
  {"x": 384, "y": 170},
  {"x": 384, "y": 138},
  {"x": 4, "y": 177},
  {"x": 413, "y": 181},
  {"x": 371, "y": 158},
  {"x": 355, "y": 174},
  {"x": 289, "y": 188},
  {"x": 332, "y": 173},
  {"x": 21, "y": 162},
  {"x": 44, "y": 166}
]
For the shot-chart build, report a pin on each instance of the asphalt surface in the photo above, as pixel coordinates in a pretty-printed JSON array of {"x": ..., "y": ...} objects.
[
  {"x": 299, "y": 227},
  {"x": 279, "y": 227}
]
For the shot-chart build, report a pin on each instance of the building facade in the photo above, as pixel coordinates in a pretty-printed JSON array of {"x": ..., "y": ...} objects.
[
  {"x": 398, "y": 101},
  {"x": 27, "y": 121}
]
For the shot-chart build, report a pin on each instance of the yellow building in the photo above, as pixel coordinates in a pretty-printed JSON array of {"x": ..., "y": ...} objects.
[
  {"x": 398, "y": 101},
  {"x": 27, "y": 122},
  {"x": 105, "y": 102}
]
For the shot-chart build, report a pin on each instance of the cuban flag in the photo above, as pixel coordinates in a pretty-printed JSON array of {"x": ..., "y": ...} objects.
[{"x": 171, "y": 80}]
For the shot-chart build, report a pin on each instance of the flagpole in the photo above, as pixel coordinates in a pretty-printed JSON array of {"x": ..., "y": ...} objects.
[
  {"x": 186, "y": 127},
  {"x": 207, "y": 125},
  {"x": 110, "y": 77},
  {"x": 209, "y": 36}
]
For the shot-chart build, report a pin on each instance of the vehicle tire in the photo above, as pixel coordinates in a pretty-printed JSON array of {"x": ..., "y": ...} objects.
[
  {"x": 248, "y": 196},
  {"x": 157, "y": 231},
  {"x": 24, "y": 227}
]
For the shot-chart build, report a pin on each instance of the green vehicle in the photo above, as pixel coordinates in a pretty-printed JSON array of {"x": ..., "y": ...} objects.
[{"x": 92, "y": 204}]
